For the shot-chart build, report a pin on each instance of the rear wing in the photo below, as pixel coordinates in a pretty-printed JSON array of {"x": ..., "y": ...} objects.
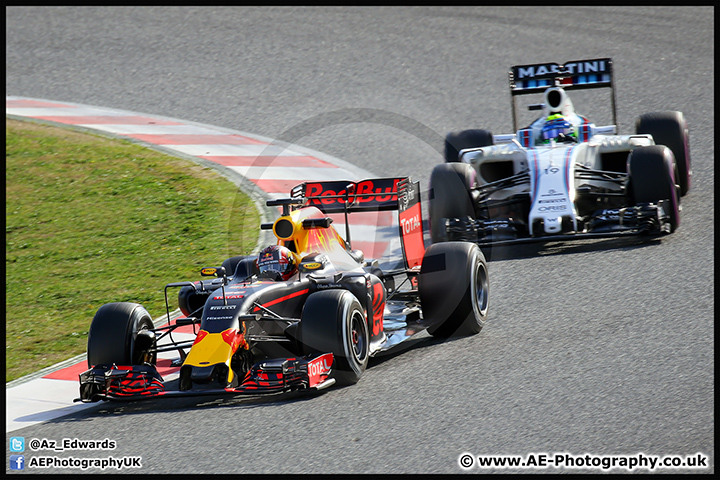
[
  {"x": 339, "y": 196},
  {"x": 372, "y": 195},
  {"x": 574, "y": 75},
  {"x": 410, "y": 218}
]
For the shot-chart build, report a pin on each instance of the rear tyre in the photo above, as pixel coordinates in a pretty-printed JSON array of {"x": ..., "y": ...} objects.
[
  {"x": 115, "y": 335},
  {"x": 456, "y": 141},
  {"x": 651, "y": 173},
  {"x": 450, "y": 197},
  {"x": 333, "y": 321},
  {"x": 670, "y": 129},
  {"x": 454, "y": 289}
]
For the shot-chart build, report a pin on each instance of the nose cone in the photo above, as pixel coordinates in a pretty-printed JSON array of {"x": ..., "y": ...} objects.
[{"x": 211, "y": 349}]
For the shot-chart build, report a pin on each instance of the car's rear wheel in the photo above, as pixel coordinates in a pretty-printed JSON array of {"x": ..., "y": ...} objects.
[
  {"x": 454, "y": 289},
  {"x": 456, "y": 141},
  {"x": 651, "y": 172},
  {"x": 450, "y": 197},
  {"x": 670, "y": 129},
  {"x": 333, "y": 321},
  {"x": 121, "y": 333}
]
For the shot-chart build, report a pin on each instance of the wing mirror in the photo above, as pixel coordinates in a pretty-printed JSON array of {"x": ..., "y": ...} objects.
[{"x": 213, "y": 272}]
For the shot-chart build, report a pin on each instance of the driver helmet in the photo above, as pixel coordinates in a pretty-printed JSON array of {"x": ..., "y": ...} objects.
[
  {"x": 556, "y": 127},
  {"x": 277, "y": 260}
]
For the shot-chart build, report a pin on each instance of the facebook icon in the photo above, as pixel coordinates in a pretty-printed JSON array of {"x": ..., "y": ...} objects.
[{"x": 17, "y": 462}]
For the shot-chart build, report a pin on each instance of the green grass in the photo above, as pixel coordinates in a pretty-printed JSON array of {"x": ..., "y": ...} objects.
[{"x": 92, "y": 220}]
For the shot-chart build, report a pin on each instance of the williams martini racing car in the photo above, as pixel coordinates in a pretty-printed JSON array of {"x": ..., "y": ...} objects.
[
  {"x": 304, "y": 314},
  {"x": 562, "y": 176}
]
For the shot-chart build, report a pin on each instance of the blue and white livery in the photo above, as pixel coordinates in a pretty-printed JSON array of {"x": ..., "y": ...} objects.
[{"x": 561, "y": 176}]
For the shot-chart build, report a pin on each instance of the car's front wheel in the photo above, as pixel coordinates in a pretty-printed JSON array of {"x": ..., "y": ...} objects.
[
  {"x": 121, "y": 333},
  {"x": 333, "y": 321},
  {"x": 456, "y": 141},
  {"x": 651, "y": 172},
  {"x": 670, "y": 129},
  {"x": 450, "y": 196}
]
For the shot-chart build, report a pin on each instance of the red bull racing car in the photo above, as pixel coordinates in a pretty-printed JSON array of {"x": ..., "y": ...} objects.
[
  {"x": 304, "y": 314},
  {"x": 562, "y": 176}
]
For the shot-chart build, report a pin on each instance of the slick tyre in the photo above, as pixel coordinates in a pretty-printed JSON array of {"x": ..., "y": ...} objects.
[
  {"x": 456, "y": 141},
  {"x": 670, "y": 129},
  {"x": 450, "y": 196},
  {"x": 115, "y": 335},
  {"x": 454, "y": 289},
  {"x": 333, "y": 321},
  {"x": 652, "y": 178}
]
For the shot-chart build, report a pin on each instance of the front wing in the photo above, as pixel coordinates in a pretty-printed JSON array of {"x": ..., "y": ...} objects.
[
  {"x": 269, "y": 376},
  {"x": 643, "y": 219}
]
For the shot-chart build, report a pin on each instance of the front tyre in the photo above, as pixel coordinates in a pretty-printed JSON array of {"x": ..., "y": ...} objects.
[
  {"x": 450, "y": 196},
  {"x": 121, "y": 333},
  {"x": 333, "y": 321},
  {"x": 670, "y": 129},
  {"x": 454, "y": 289},
  {"x": 651, "y": 173},
  {"x": 456, "y": 141}
]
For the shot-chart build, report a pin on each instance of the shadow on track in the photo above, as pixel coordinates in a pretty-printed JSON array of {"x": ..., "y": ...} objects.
[
  {"x": 566, "y": 247},
  {"x": 181, "y": 404}
]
